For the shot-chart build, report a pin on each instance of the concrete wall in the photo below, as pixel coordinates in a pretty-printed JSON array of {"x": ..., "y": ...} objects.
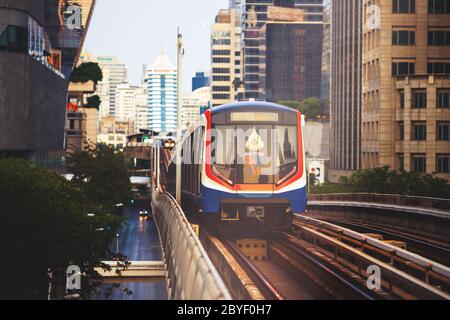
[
  {"x": 35, "y": 8},
  {"x": 32, "y": 104}
]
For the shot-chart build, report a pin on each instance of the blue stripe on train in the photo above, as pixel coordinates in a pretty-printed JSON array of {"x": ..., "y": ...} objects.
[{"x": 210, "y": 199}]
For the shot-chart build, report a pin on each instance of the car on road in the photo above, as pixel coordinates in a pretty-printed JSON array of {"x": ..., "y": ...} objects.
[{"x": 143, "y": 214}]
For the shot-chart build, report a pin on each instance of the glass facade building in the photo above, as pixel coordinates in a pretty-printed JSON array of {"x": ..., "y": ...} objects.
[
  {"x": 254, "y": 16},
  {"x": 293, "y": 61},
  {"x": 161, "y": 83},
  {"x": 346, "y": 88}
]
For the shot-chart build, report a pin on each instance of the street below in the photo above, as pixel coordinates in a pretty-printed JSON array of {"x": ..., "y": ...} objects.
[{"x": 138, "y": 241}]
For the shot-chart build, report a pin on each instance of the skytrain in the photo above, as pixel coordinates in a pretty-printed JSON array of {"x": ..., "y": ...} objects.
[{"x": 243, "y": 164}]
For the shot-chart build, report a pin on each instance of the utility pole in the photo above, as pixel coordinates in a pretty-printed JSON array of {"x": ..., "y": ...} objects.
[{"x": 180, "y": 54}]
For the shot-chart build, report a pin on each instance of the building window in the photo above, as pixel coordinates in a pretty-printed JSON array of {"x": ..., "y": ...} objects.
[
  {"x": 419, "y": 163},
  {"x": 221, "y": 96},
  {"x": 438, "y": 68},
  {"x": 403, "y": 38},
  {"x": 439, "y": 6},
  {"x": 419, "y": 132},
  {"x": 221, "y": 89},
  {"x": 420, "y": 99},
  {"x": 14, "y": 39},
  {"x": 442, "y": 131},
  {"x": 401, "y": 94},
  {"x": 404, "y": 6},
  {"x": 442, "y": 99},
  {"x": 221, "y": 60},
  {"x": 401, "y": 130},
  {"x": 439, "y": 38},
  {"x": 403, "y": 68},
  {"x": 400, "y": 162},
  {"x": 443, "y": 163},
  {"x": 221, "y": 78},
  {"x": 221, "y": 52},
  {"x": 221, "y": 70}
]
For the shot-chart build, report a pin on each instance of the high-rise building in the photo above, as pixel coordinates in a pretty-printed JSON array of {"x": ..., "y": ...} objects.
[
  {"x": 82, "y": 119},
  {"x": 193, "y": 105},
  {"x": 200, "y": 80},
  {"x": 37, "y": 54},
  {"x": 226, "y": 57},
  {"x": 114, "y": 74},
  {"x": 141, "y": 118},
  {"x": 406, "y": 86},
  {"x": 161, "y": 81},
  {"x": 66, "y": 22},
  {"x": 313, "y": 9},
  {"x": 114, "y": 133},
  {"x": 292, "y": 48},
  {"x": 126, "y": 102},
  {"x": 254, "y": 16},
  {"x": 326, "y": 54},
  {"x": 346, "y": 85}
]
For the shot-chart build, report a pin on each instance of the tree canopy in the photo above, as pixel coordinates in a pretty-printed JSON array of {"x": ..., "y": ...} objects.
[
  {"x": 312, "y": 108},
  {"x": 385, "y": 181},
  {"x": 103, "y": 174},
  {"x": 87, "y": 71},
  {"x": 93, "y": 102},
  {"x": 44, "y": 225}
]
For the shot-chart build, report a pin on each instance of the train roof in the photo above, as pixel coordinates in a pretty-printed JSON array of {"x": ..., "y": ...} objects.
[{"x": 257, "y": 105}]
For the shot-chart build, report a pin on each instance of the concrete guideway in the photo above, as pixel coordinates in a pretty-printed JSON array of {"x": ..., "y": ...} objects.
[{"x": 357, "y": 245}]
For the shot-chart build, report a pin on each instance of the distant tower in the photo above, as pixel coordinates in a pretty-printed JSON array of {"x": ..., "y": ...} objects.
[
  {"x": 200, "y": 80},
  {"x": 161, "y": 82}
]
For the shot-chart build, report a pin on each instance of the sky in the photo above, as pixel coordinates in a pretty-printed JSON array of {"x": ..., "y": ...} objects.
[{"x": 136, "y": 30}]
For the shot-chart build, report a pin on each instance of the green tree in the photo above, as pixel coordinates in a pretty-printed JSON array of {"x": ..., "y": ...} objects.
[
  {"x": 93, "y": 102},
  {"x": 103, "y": 174},
  {"x": 385, "y": 181},
  {"x": 87, "y": 71},
  {"x": 312, "y": 108},
  {"x": 44, "y": 225}
]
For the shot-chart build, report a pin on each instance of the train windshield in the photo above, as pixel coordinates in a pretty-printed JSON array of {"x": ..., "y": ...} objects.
[{"x": 254, "y": 154}]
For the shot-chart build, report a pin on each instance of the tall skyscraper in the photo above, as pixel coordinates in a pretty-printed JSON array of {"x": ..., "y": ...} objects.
[
  {"x": 114, "y": 74},
  {"x": 141, "y": 118},
  {"x": 326, "y": 53},
  {"x": 406, "y": 86},
  {"x": 254, "y": 16},
  {"x": 292, "y": 48},
  {"x": 126, "y": 102},
  {"x": 226, "y": 56},
  {"x": 346, "y": 86},
  {"x": 161, "y": 84},
  {"x": 313, "y": 9}
]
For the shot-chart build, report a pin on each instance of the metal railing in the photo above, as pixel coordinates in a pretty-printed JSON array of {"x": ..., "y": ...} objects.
[
  {"x": 190, "y": 273},
  {"x": 392, "y": 199}
]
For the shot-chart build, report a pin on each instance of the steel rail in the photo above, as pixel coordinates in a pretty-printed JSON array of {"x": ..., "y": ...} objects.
[
  {"x": 422, "y": 287},
  {"x": 268, "y": 289},
  {"x": 324, "y": 267}
]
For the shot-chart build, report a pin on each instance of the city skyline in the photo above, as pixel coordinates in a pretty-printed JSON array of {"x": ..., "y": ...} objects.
[{"x": 139, "y": 39}]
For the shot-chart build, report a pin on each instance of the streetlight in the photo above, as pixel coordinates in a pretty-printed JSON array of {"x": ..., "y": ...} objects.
[
  {"x": 117, "y": 250},
  {"x": 90, "y": 215},
  {"x": 119, "y": 205}
]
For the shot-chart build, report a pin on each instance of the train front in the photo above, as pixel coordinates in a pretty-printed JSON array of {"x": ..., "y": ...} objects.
[{"x": 255, "y": 170}]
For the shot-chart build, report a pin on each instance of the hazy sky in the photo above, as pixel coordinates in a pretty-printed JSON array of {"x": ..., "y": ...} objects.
[{"x": 135, "y": 30}]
